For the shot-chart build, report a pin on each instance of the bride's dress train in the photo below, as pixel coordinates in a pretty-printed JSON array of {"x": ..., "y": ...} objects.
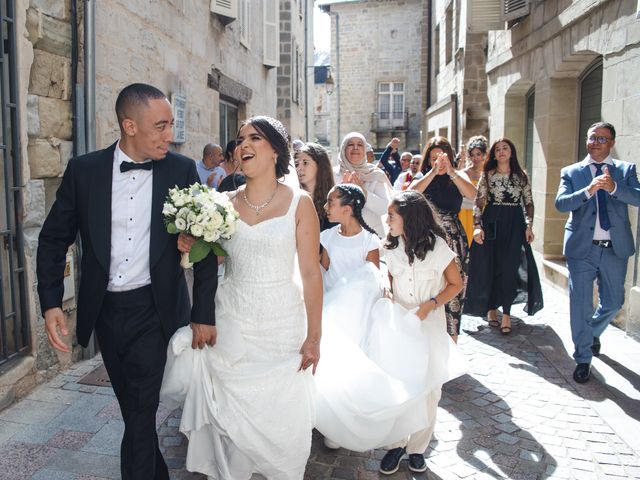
[{"x": 378, "y": 362}]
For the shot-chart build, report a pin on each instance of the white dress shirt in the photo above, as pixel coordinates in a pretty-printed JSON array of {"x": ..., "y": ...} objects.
[
  {"x": 598, "y": 232},
  {"x": 130, "y": 226}
]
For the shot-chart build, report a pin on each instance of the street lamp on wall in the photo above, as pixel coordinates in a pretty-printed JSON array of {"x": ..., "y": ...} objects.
[{"x": 329, "y": 83}]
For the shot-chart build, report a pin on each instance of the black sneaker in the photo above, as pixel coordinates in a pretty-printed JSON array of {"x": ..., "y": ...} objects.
[
  {"x": 391, "y": 461},
  {"x": 417, "y": 463},
  {"x": 595, "y": 348}
]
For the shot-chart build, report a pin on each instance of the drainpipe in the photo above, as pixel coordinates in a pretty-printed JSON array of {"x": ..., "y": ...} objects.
[
  {"x": 306, "y": 71},
  {"x": 430, "y": 46},
  {"x": 338, "y": 76},
  {"x": 90, "y": 74}
]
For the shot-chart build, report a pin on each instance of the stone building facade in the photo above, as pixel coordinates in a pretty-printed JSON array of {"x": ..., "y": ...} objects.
[
  {"x": 456, "y": 106},
  {"x": 552, "y": 73},
  {"x": 221, "y": 63},
  {"x": 377, "y": 71},
  {"x": 295, "y": 73}
]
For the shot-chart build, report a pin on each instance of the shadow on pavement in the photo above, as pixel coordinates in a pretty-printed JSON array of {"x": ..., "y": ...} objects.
[{"x": 492, "y": 442}]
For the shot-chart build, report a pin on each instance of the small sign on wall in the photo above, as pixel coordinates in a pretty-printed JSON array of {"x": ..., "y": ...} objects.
[
  {"x": 69, "y": 281},
  {"x": 179, "y": 103}
]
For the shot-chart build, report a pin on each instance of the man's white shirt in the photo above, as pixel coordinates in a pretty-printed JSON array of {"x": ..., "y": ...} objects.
[
  {"x": 598, "y": 232},
  {"x": 131, "y": 194}
]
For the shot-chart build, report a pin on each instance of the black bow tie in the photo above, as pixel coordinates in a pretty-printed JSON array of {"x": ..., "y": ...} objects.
[{"x": 126, "y": 166}]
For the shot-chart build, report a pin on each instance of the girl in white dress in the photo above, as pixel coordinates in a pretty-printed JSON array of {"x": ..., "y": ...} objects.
[
  {"x": 352, "y": 242},
  {"x": 379, "y": 359},
  {"x": 424, "y": 277},
  {"x": 249, "y": 399}
]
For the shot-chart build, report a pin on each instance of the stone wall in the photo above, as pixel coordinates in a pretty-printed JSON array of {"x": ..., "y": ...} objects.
[
  {"x": 462, "y": 79},
  {"x": 380, "y": 41},
  {"x": 174, "y": 45},
  {"x": 550, "y": 50},
  {"x": 296, "y": 68}
]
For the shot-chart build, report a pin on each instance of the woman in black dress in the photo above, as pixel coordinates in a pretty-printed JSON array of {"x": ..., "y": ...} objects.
[
  {"x": 502, "y": 270},
  {"x": 445, "y": 187}
]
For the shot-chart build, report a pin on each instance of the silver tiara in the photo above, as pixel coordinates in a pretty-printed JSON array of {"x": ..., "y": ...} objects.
[{"x": 276, "y": 124}]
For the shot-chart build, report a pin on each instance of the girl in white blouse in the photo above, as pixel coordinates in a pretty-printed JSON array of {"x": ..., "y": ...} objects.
[{"x": 423, "y": 276}]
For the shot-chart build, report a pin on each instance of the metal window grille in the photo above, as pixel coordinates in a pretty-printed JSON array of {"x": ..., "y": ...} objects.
[{"x": 14, "y": 323}]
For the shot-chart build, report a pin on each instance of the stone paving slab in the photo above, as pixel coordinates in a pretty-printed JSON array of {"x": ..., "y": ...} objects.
[{"x": 517, "y": 414}]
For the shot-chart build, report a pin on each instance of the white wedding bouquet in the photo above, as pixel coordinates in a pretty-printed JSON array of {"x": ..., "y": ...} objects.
[{"x": 203, "y": 213}]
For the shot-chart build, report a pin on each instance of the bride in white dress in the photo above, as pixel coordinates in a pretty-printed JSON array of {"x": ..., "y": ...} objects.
[{"x": 249, "y": 400}]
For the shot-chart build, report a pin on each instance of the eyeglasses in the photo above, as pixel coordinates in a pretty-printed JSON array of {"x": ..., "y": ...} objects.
[{"x": 598, "y": 138}]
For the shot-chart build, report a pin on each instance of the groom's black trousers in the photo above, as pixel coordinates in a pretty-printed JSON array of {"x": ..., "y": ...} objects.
[{"x": 134, "y": 351}]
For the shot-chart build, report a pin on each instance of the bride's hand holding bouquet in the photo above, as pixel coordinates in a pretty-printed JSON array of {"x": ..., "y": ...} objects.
[{"x": 204, "y": 214}]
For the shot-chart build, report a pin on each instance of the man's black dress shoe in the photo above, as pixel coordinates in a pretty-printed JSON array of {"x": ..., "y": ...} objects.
[
  {"x": 582, "y": 372},
  {"x": 391, "y": 461},
  {"x": 595, "y": 347}
]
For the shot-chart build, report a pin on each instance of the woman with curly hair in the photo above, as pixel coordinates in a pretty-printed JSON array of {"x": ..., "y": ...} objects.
[
  {"x": 477, "y": 154},
  {"x": 445, "y": 188}
]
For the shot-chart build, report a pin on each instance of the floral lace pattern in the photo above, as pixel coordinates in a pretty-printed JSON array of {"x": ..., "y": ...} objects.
[{"x": 503, "y": 188}]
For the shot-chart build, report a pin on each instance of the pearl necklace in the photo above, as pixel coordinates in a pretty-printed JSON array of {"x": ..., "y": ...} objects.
[{"x": 260, "y": 207}]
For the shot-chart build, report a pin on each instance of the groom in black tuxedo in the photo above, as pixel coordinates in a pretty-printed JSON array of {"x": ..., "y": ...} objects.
[{"x": 132, "y": 288}]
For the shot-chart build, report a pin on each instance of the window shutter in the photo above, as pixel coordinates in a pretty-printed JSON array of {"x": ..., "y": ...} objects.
[
  {"x": 513, "y": 9},
  {"x": 485, "y": 15},
  {"x": 225, "y": 8},
  {"x": 271, "y": 45}
]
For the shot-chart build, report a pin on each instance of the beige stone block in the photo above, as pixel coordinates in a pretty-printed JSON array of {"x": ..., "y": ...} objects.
[
  {"x": 54, "y": 8},
  {"x": 44, "y": 159},
  {"x": 33, "y": 118},
  {"x": 50, "y": 75},
  {"x": 66, "y": 152},
  {"x": 48, "y": 33},
  {"x": 610, "y": 76},
  {"x": 55, "y": 118},
  {"x": 34, "y": 204},
  {"x": 633, "y": 32},
  {"x": 630, "y": 116}
]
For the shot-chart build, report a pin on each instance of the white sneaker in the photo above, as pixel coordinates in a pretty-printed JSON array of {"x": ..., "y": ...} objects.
[{"x": 329, "y": 444}]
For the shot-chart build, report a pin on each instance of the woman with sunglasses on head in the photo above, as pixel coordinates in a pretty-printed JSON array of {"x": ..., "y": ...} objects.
[
  {"x": 503, "y": 219},
  {"x": 445, "y": 188}
]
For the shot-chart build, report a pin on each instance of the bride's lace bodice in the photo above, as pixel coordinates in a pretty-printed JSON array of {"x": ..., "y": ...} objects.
[{"x": 265, "y": 252}]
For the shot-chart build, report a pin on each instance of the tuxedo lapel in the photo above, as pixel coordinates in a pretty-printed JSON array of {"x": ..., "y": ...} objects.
[
  {"x": 99, "y": 209},
  {"x": 162, "y": 181}
]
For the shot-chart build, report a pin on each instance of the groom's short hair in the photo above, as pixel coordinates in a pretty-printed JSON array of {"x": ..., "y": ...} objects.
[{"x": 134, "y": 96}]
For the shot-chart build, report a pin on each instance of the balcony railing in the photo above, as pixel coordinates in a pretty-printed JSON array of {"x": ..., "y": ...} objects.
[{"x": 389, "y": 121}]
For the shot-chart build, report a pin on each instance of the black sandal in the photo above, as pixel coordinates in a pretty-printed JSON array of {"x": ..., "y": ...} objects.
[
  {"x": 494, "y": 323},
  {"x": 506, "y": 330}
]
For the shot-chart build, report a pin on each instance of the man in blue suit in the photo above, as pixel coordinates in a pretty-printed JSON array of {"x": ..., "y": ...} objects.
[{"x": 598, "y": 240}]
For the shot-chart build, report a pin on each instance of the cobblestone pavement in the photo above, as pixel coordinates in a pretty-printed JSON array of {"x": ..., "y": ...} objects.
[{"x": 517, "y": 414}]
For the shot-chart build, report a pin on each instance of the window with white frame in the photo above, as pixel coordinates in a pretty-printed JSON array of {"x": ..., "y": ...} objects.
[{"x": 391, "y": 104}]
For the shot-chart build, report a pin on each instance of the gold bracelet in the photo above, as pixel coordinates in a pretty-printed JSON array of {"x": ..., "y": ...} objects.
[{"x": 453, "y": 177}]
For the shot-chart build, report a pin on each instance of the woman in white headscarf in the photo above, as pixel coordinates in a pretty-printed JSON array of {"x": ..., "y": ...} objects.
[{"x": 353, "y": 168}]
